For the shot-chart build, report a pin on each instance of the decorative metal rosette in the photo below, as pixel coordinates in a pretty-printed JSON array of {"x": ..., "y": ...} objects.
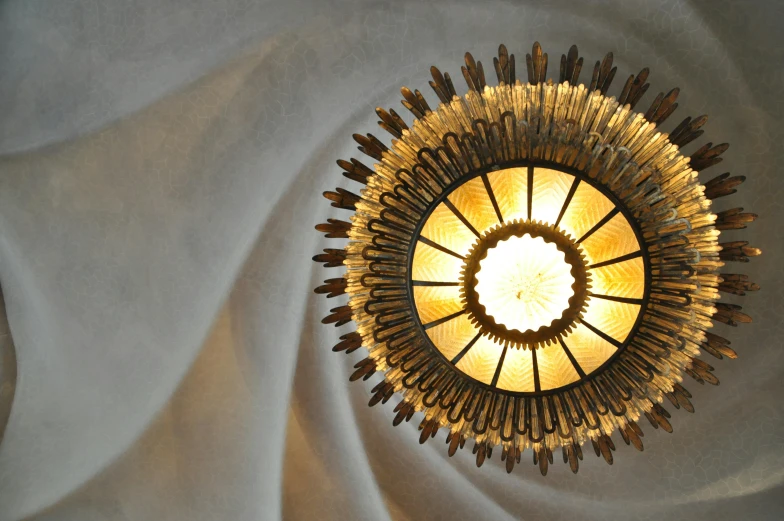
[
  {"x": 535, "y": 265},
  {"x": 578, "y": 285}
]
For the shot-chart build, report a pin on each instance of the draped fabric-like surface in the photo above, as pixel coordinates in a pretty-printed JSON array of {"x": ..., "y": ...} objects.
[{"x": 161, "y": 171}]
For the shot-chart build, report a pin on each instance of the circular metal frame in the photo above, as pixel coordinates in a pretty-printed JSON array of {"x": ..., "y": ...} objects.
[{"x": 582, "y": 178}]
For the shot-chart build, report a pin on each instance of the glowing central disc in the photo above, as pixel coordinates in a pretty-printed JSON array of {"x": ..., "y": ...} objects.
[{"x": 524, "y": 283}]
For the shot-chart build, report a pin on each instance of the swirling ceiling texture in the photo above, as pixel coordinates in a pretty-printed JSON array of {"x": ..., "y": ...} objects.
[{"x": 161, "y": 173}]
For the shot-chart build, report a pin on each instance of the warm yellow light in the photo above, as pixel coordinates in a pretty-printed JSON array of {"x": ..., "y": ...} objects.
[{"x": 524, "y": 283}]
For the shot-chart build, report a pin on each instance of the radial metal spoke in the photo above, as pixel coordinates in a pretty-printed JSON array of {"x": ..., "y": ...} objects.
[
  {"x": 622, "y": 258},
  {"x": 439, "y": 247},
  {"x": 493, "y": 200},
  {"x": 567, "y": 201},
  {"x": 602, "y": 334},
  {"x": 460, "y": 216},
  {"x": 625, "y": 300},
  {"x": 498, "y": 367},
  {"x": 598, "y": 225},
  {"x": 537, "y": 384},
  {"x": 441, "y": 320},
  {"x": 433, "y": 283},
  {"x": 530, "y": 191},
  {"x": 572, "y": 359},
  {"x": 467, "y": 348}
]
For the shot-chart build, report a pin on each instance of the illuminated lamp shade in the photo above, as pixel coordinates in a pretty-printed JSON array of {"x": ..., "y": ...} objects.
[{"x": 535, "y": 265}]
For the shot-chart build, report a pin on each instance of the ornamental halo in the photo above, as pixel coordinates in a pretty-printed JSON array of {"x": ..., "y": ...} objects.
[{"x": 535, "y": 265}]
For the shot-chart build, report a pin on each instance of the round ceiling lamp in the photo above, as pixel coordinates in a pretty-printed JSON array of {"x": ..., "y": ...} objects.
[{"x": 535, "y": 265}]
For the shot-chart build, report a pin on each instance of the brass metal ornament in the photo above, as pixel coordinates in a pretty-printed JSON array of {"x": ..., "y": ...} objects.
[
  {"x": 546, "y": 333},
  {"x": 535, "y": 265}
]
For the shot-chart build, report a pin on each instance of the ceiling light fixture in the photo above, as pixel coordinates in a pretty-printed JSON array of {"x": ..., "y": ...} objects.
[{"x": 535, "y": 265}]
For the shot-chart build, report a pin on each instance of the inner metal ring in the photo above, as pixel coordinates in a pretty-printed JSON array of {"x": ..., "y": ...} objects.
[{"x": 546, "y": 334}]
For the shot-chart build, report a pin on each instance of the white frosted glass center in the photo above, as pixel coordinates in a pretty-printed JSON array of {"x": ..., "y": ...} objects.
[{"x": 524, "y": 283}]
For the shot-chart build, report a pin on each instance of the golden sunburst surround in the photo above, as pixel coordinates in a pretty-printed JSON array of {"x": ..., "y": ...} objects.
[{"x": 653, "y": 291}]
